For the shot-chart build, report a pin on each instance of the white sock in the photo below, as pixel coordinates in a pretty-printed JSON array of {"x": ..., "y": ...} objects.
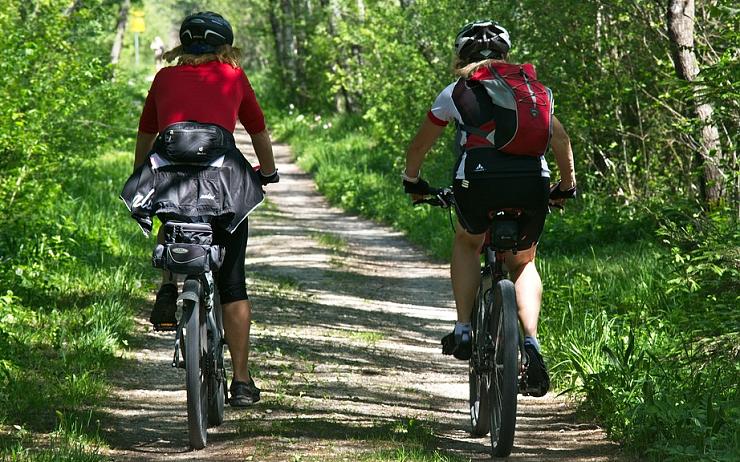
[{"x": 462, "y": 327}]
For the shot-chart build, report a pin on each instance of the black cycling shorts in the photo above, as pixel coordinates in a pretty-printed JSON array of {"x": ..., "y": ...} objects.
[
  {"x": 531, "y": 194},
  {"x": 230, "y": 280}
]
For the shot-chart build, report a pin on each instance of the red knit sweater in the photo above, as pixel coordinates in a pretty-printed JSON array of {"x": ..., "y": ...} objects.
[{"x": 213, "y": 92}]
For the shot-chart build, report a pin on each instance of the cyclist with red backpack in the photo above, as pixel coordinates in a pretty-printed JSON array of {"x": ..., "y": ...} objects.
[{"x": 505, "y": 123}]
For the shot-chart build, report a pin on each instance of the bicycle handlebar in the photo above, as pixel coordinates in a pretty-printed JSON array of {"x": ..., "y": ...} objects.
[
  {"x": 443, "y": 198},
  {"x": 557, "y": 194}
]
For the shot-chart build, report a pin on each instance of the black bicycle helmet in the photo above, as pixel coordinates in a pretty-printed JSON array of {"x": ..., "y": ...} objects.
[
  {"x": 204, "y": 31},
  {"x": 480, "y": 40}
]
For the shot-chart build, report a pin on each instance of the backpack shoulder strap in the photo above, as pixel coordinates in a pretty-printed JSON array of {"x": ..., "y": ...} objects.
[{"x": 473, "y": 130}]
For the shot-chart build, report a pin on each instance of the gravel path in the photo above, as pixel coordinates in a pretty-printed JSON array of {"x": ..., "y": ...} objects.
[{"x": 347, "y": 322}]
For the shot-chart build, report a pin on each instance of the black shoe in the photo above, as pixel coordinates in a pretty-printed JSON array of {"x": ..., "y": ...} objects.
[
  {"x": 243, "y": 393},
  {"x": 163, "y": 313},
  {"x": 461, "y": 348},
  {"x": 538, "y": 380}
]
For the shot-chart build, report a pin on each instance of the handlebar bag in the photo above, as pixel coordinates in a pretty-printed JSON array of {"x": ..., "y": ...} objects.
[{"x": 189, "y": 259}]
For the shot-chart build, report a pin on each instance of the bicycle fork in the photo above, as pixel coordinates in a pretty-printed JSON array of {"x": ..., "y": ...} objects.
[{"x": 181, "y": 321}]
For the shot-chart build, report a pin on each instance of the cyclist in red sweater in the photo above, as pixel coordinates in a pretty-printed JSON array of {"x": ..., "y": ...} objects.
[{"x": 208, "y": 86}]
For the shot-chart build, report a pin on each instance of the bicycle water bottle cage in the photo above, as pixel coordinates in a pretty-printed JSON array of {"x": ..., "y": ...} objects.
[{"x": 188, "y": 249}]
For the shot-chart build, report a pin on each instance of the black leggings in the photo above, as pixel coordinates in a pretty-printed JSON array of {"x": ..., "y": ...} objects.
[
  {"x": 230, "y": 280},
  {"x": 484, "y": 195}
]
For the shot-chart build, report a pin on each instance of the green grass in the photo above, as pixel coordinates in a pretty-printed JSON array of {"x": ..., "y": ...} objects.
[
  {"x": 74, "y": 440},
  {"x": 640, "y": 305},
  {"x": 337, "y": 244},
  {"x": 71, "y": 280},
  {"x": 368, "y": 337}
]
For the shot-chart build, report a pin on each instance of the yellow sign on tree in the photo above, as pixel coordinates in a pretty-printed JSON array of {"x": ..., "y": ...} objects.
[{"x": 137, "y": 21}]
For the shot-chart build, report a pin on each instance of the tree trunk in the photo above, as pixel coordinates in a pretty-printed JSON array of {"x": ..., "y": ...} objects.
[
  {"x": 277, "y": 35},
  {"x": 115, "y": 53},
  {"x": 289, "y": 41},
  {"x": 361, "y": 10},
  {"x": 342, "y": 100},
  {"x": 73, "y": 7},
  {"x": 681, "y": 15}
]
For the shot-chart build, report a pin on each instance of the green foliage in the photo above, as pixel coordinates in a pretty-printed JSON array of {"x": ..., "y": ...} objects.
[
  {"x": 57, "y": 88},
  {"x": 70, "y": 442},
  {"x": 648, "y": 333},
  {"x": 67, "y": 284}
]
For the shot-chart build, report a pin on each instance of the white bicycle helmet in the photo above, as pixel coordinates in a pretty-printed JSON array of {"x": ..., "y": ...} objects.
[{"x": 482, "y": 39}]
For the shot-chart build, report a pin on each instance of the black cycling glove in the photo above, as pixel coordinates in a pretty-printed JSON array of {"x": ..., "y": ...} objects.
[
  {"x": 421, "y": 187},
  {"x": 557, "y": 193},
  {"x": 267, "y": 179}
]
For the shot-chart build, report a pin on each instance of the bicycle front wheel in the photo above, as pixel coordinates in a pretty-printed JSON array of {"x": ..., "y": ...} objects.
[
  {"x": 216, "y": 372},
  {"x": 504, "y": 386},
  {"x": 479, "y": 377},
  {"x": 195, "y": 354}
]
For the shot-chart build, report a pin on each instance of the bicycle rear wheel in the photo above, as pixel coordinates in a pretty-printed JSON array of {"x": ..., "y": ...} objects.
[
  {"x": 217, "y": 373},
  {"x": 479, "y": 377},
  {"x": 504, "y": 384},
  {"x": 195, "y": 354}
]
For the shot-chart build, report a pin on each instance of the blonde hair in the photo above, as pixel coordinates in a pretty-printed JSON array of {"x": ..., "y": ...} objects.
[
  {"x": 463, "y": 69},
  {"x": 224, "y": 54}
]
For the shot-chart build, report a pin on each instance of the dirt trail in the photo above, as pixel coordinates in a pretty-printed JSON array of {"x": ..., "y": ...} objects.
[{"x": 346, "y": 333}]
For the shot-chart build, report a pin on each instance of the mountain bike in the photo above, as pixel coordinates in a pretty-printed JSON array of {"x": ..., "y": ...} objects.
[
  {"x": 199, "y": 336},
  {"x": 498, "y": 364}
]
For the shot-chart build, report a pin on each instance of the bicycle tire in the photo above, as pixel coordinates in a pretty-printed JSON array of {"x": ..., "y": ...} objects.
[
  {"x": 195, "y": 352},
  {"x": 479, "y": 375},
  {"x": 217, "y": 375},
  {"x": 505, "y": 378}
]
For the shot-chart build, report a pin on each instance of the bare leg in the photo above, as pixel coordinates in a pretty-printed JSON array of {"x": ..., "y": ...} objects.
[
  {"x": 528, "y": 288},
  {"x": 237, "y": 321},
  {"x": 465, "y": 271}
]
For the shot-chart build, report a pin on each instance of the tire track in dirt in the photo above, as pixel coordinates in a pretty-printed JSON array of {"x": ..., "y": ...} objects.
[{"x": 347, "y": 321}]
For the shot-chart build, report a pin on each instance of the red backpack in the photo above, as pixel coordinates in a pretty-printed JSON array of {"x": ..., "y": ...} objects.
[{"x": 515, "y": 87}]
